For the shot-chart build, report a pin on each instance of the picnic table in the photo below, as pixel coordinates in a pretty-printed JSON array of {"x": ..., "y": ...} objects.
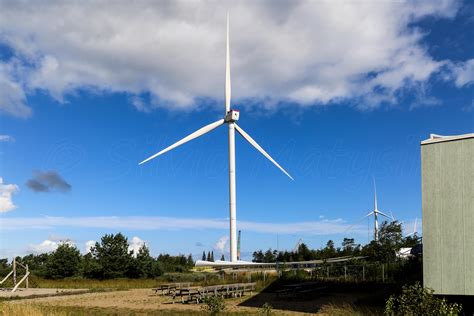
[
  {"x": 198, "y": 294},
  {"x": 170, "y": 287}
]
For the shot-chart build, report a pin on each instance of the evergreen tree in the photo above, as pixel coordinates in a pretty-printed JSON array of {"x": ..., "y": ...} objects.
[
  {"x": 190, "y": 261},
  {"x": 222, "y": 257},
  {"x": 64, "y": 262},
  {"x": 144, "y": 262},
  {"x": 90, "y": 267},
  {"x": 203, "y": 256},
  {"x": 112, "y": 256},
  {"x": 269, "y": 256},
  {"x": 212, "y": 256},
  {"x": 208, "y": 256}
]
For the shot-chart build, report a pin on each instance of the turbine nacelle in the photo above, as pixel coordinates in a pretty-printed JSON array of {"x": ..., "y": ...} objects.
[{"x": 232, "y": 116}]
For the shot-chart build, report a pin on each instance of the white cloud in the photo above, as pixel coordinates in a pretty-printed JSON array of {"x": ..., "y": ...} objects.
[
  {"x": 142, "y": 223},
  {"x": 12, "y": 94},
  {"x": 6, "y": 138},
  {"x": 135, "y": 244},
  {"x": 47, "y": 246},
  {"x": 220, "y": 244},
  {"x": 88, "y": 245},
  {"x": 307, "y": 52},
  {"x": 6, "y": 192},
  {"x": 464, "y": 73}
]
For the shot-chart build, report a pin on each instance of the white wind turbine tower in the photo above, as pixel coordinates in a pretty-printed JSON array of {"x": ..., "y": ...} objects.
[
  {"x": 376, "y": 213},
  {"x": 230, "y": 118}
]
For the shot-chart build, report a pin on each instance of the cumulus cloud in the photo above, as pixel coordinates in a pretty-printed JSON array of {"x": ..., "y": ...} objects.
[
  {"x": 88, "y": 246},
  {"x": 48, "y": 246},
  {"x": 47, "y": 181},
  {"x": 6, "y": 138},
  {"x": 220, "y": 244},
  {"x": 6, "y": 192},
  {"x": 135, "y": 244},
  {"x": 304, "y": 52}
]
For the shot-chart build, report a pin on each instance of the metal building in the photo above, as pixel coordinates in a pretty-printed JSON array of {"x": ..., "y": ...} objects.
[{"x": 448, "y": 213}]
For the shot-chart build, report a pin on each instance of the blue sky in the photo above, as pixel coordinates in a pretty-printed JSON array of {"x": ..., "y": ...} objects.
[{"x": 334, "y": 109}]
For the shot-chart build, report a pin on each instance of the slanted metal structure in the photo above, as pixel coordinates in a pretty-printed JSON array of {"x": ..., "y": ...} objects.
[
  {"x": 447, "y": 167},
  {"x": 14, "y": 275}
]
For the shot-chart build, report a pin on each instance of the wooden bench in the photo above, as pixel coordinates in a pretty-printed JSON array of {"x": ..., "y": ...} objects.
[
  {"x": 198, "y": 294},
  {"x": 170, "y": 287}
]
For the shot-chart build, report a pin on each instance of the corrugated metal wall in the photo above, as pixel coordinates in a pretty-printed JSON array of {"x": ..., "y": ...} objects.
[{"x": 448, "y": 216}]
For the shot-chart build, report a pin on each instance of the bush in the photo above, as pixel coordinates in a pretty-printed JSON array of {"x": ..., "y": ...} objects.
[
  {"x": 214, "y": 304},
  {"x": 417, "y": 300},
  {"x": 266, "y": 309}
]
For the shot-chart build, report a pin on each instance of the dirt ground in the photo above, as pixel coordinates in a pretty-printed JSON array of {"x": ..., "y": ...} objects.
[
  {"x": 138, "y": 300},
  {"x": 6, "y": 293}
]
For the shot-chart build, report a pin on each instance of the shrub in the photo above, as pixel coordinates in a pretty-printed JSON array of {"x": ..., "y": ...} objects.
[
  {"x": 417, "y": 300},
  {"x": 214, "y": 304},
  {"x": 266, "y": 309}
]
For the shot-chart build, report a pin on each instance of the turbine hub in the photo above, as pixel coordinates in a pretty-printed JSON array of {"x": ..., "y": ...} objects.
[{"x": 232, "y": 116}]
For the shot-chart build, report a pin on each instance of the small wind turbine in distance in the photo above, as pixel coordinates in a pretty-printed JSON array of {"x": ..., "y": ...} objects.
[
  {"x": 376, "y": 213},
  {"x": 414, "y": 228},
  {"x": 230, "y": 118}
]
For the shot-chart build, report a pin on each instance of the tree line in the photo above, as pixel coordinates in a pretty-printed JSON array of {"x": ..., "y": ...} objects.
[
  {"x": 107, "y": 259},
  {"x": 390, "y": 241}
]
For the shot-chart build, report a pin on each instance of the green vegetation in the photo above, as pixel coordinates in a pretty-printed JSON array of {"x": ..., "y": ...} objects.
[
  {"x": 64, "y": 262},
  {"x": 266, "y": 309},
  {"x": 390, "y": 241},
  {"x": 214, "y": 304},
  {"x": 109, "y": 259},
  {"x": 417, "y": 300}
]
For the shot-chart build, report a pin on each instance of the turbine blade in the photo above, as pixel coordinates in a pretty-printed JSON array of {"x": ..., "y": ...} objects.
[
  {"x": 375, "y": 194},
  {"x": 260, "y": 149},
  {"x": 227, "y": 71},
  {"x": 357, "y": 222},
  {"x": 383, "y": 214},
  {"x": 196, "y": 134}
]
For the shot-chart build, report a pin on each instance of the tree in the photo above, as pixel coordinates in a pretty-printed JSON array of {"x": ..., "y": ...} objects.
[
  {"x": 212, "y": 256},
  {"x": 190, "y": 261},
  {"x": 269, "y": 256},
  {"x": 348, "y": 246},
  {"x": 64, "y": 262},
  {"x": 144, "y": 262},
  {"x": 304, "y": 253},
  {"x": 37, "y": 263},
  {"x": 90, "y": 267},
  {"x": 203, "y": 256},
  {"x": 112, "y": 255},
  {"x": 390, "y": 241},
  {"x": 329, "y": 251},
  {"x": 208, "y": 256},
  {"x": 222, "y": 257},
  {"x": 258, "y": 256}
]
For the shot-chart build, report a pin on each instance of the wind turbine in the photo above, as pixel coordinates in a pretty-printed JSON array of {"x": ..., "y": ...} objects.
[
  {"x": 230, "y": 118},
  {"x": 376, "y": 213},
  {"x": 414, "y": 228}
]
